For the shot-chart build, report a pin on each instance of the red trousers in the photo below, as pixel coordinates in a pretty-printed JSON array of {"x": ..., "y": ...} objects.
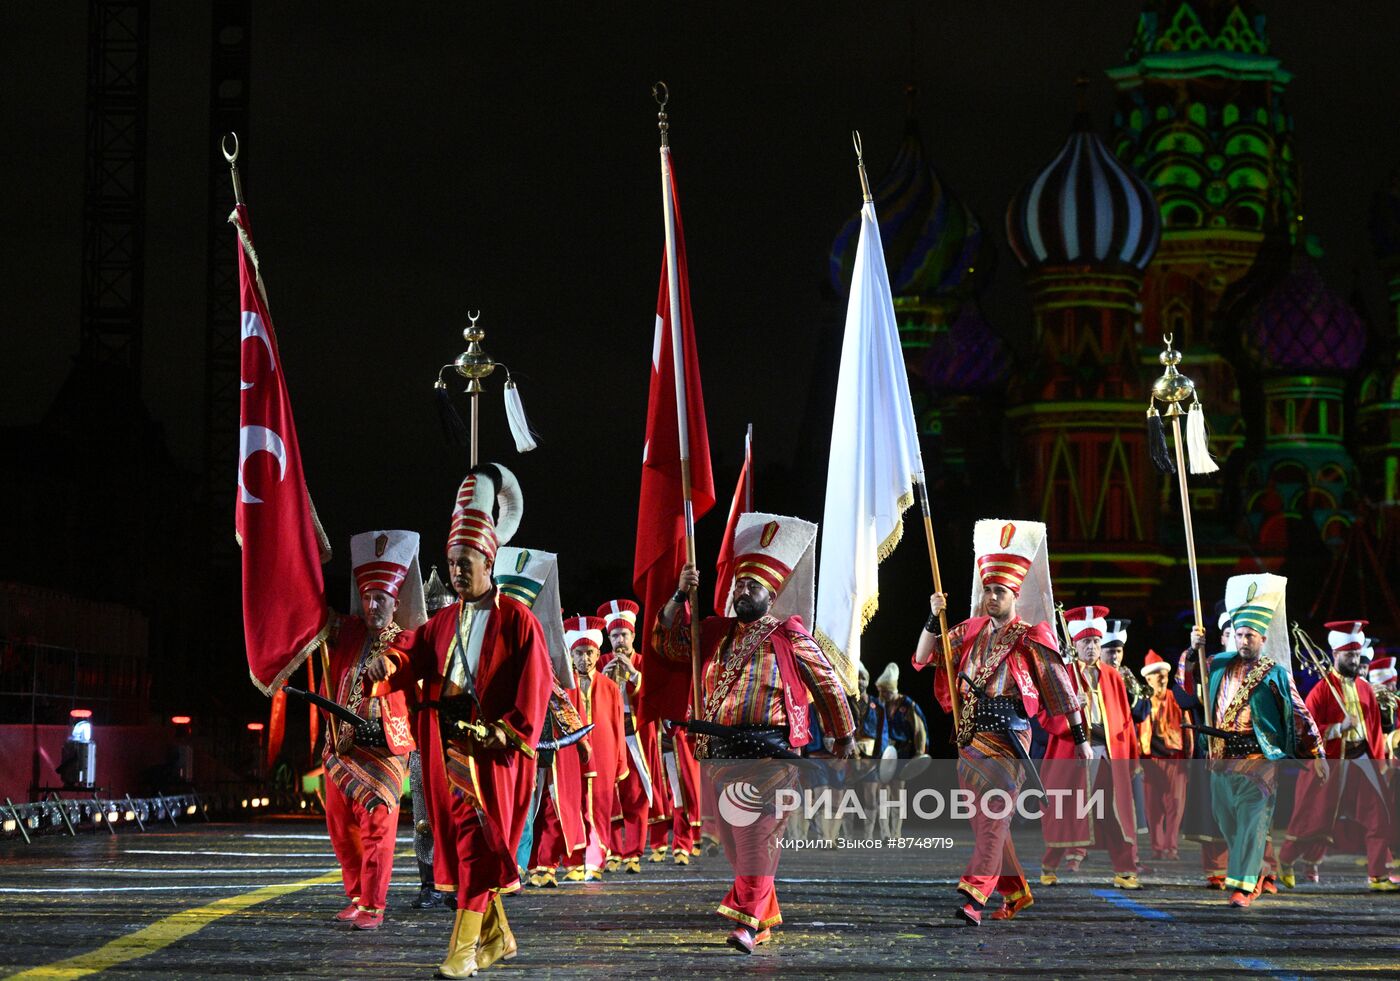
[
  {"x": 482, "y": 861},
  {"x": 752, "y": 900},
  {"x": 551, "y": 848},
  {"x": 1359, "y": 802},
  {"x": 629, "y": 829},
  {"x": 1164, "y": 790},
  {"x": 993, "y": 866},
  {"x": 364, "y": 846}
]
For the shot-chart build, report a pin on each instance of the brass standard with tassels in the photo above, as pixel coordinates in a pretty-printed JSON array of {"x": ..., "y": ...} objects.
[
  {"x": 1173, "y": 389},
  {"x": 474, "y": 364}
]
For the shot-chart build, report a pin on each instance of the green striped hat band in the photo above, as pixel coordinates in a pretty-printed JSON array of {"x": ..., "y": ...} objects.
[
  {"x": 519, "y": 587},
  {"x": 1255, "y": 616}
]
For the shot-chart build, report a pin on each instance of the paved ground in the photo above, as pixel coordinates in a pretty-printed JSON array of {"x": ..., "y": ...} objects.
[{"x": 256, "y": 899}]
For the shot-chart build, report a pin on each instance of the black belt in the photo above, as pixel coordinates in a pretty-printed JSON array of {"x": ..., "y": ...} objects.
[
  {"x": 1241, "y": 744},
  {"x": 748, "y": 742},
  {"x": 999, "y": 713}
]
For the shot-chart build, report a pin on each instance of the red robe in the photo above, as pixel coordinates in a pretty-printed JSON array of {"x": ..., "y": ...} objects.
[
  {"x": 643, "y": 770},
  {"x": 1062, "y": 770},
  {"x": 1319, "y": 803},
  {"x": 475, "y": 838},
  {"x": 607, "y": 767},
  {"x": 561, "y": 829}
]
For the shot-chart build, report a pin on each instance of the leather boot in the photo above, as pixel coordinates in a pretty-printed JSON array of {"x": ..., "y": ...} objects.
[
  {"x": 461, "y": 949},
  {"x": 497, "y": 939}
]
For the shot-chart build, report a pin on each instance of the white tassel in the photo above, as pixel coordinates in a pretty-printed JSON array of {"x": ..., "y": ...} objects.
[
  {"x": 519, "y": 424},
  {"x": 1197, "y": 443}
]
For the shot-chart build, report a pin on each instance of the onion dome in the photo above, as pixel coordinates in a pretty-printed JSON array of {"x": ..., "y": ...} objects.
[
  {"x": 931, "y": 239},
  {"x": 968, "y": 358},
  {"x": 1084, "y": 208},
  {"x": 1302, "y": 325},
  {"x": 1384, "y": 221}
]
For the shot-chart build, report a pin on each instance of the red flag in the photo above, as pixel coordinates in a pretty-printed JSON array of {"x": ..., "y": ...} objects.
[
  {"x": 284, "y": 606},
  {"x": 661, "y": 512},
  {"x": 276, "y": 726},
  {"x": 724, "y": 566}
]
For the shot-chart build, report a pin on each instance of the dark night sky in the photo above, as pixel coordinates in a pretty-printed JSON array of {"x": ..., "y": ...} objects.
[{"x": 405, "y": 166}]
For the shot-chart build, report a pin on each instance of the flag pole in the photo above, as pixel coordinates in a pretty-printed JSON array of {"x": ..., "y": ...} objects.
[
  {"x": 923, "y": 503},
  {"x": 748, "y": 469},
  {"x": 662, "y": 95},
  {"x": 1172, "y": 389}
]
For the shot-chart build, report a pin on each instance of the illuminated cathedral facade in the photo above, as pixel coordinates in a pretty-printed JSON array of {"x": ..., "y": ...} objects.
[{"x": 1182, "y": 217}]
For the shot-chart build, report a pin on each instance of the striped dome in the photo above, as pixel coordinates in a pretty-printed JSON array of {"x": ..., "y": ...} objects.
[
  {"x": 1085, "y": 207},
  {"x": 932, "y": 241}
]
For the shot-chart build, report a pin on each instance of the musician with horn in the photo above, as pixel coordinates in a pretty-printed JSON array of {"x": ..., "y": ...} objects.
[
  {"x": 599, "y": 704},
  {"x": 1009, "y": 668},
  {"x": 1354, "y": 792},
  {"x": 762, "y": 670}
]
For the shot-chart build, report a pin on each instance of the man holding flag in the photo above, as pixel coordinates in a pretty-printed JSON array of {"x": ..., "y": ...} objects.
[{"x": 677, "y": 488}]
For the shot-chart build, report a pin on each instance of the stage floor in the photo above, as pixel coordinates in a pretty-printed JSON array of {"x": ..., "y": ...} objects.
[{"x": 240, "y": 900}]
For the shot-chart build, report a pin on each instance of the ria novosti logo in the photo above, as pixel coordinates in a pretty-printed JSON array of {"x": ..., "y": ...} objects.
[{"x": 740, "y": 804}]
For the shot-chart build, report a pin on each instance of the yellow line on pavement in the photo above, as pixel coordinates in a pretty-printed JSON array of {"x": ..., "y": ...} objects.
[{"x": 163, "y": 933}]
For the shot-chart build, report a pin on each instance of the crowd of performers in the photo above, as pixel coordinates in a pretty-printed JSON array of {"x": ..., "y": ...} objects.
[{"x": 521, "y": 733}]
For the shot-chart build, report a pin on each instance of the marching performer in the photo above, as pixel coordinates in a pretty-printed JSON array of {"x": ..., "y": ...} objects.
[
  {"x": 1009, "y": 669},
  {"x": 1113, "y": 741},
  {"x": 1259, "y": 719},
  {"x": 1199, "y": 823},
  {"x": 1165, "y": 746},
  {"x": 599, "y": 704},
  {"x": 436, "y": 595},
  {"x": 1348, "y": 716},
  {"x": 485, "y": 668},
  {"x": 637, "y": 793},
  {"x": 760, "y": 667},
  {"x": 364, "y": 777},
  {"x": 560, "y": 822}
]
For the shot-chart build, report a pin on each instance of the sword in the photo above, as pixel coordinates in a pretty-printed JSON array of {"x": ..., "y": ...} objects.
[
  {"x": 549, "y": 745},
  {"x": 368, "y": 732}
]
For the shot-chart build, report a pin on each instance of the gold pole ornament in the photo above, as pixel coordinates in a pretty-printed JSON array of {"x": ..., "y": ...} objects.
[
  {"x": 1173, "y": 389},
  {"x": 474, "y": 364}
]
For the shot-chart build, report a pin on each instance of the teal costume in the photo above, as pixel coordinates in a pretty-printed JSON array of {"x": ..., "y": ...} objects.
[{"x": 1242, "y": 789}]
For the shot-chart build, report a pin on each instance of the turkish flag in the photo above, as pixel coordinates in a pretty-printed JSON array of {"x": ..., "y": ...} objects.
[
  {"x": 661, "y": 511},
  {"x": 284, "y": 604},
  {"x": 724, "y": 566}
]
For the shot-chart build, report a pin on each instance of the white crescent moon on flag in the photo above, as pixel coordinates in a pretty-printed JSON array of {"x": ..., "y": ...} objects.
[
  {"x": 259, "y": 439},
  {"x": 253, "y": 327}
]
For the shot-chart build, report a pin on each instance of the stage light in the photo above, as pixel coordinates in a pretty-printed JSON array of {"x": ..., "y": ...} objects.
[
  {"x": 245, "y": 802},
  {"x": 264, "y": 802},
  {"x": 255, "y": 727},
  {"x": 80, "y": 714},
  {"x": 112, "y": 816},
  {"x": 130, "y": 815},
  {"x": 190, "y": 809},
  {"x": 303, "y": 804},
  {"x": 10, "y": 825},
  {"x": 96, "y": 817},
  {"x": 180, "y": 720}
]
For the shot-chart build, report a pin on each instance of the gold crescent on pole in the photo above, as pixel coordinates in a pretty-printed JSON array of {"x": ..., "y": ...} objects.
[
  {"x": 231, "y": 157},
  {"x": 661, "y": 94}
]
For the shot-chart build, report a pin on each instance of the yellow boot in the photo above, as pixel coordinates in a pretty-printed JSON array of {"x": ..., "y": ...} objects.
[
  {"x": 497, "y": 938},
  {"x": 461, "y": 949}
]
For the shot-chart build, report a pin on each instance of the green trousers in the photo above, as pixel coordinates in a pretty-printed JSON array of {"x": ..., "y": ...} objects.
[{"x": 1245, "y": 811}]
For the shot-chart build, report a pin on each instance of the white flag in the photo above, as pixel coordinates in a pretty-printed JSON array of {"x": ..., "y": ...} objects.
[{"x": 875, "y": 459}]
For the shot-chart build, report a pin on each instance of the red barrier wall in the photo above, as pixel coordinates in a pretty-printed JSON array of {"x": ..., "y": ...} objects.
[{"x": 124, "y": 753}]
